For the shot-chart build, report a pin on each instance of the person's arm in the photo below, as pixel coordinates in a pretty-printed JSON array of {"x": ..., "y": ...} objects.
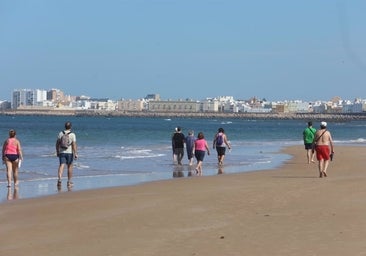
[
  {"x": 226, "y": 142},
  {"x": 57, "y": 145},
  {"x": 3, "y": 151},
  {"x": 214, "y": 142},
  {"x": 331, "y": 143},
  {"x": 207, "y": 148},
  {"x": 20, "y": 152},
  {"x": 74, "y": 148}
]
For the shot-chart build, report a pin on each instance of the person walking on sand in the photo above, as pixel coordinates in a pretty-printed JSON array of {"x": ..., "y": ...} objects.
[
  {"x": 324, "y": 148},
  {"x": 200, "y": 148},
  {"x": 178, "y": 145},
  {"x": 66, "y": 153},
  {"x": 189, "y": 140},
  {"x": 12, "y": 155},
  {"x": 219, "y": 142},
  {"x": 308, "y": 136}
]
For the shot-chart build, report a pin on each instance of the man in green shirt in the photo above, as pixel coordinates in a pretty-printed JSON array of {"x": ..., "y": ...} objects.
[{"x": 308, "y": 136}]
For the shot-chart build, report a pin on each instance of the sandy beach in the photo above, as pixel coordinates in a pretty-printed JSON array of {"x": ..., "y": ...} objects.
[{"x": 287, "y": 211}]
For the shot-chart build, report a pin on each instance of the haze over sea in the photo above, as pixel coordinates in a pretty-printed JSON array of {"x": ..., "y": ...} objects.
[{"x": 121, "y": 151}]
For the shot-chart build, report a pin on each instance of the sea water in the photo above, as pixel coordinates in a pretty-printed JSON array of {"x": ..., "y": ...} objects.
[{"x": 119, "y": 151}]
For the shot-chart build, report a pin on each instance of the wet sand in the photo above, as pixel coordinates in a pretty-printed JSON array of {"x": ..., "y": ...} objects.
[{"x": 287, "y": 211}]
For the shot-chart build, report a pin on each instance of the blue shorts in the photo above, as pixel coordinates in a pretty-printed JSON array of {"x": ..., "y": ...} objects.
[
  {"x": 199, "y": 154},
  {"x": 66, "y": 158}
]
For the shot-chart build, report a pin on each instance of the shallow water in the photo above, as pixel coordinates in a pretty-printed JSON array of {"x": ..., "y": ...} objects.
[{"x": 124, "y": 151}]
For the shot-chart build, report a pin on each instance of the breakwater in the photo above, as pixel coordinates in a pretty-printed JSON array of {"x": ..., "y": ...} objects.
[{"x": 283, "y": 116}]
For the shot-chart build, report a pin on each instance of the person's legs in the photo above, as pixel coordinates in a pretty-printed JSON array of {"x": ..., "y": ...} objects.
[
  {"x": 325, "y": 167},
  {"x": 221, "y": 159},
  {"x": 15, "y": 166},
  {"x": 69, "y": 174},
  {"x": 8, "y": 172},
  {"x": 180, "y": 155},
  {"x": 321, "y": 167},
  {"x": 220, "y": 154},
  {"x": 308, "y": 155},
  {"x": 313, "y": 154},
  {"x": 199, "y": 166},
  {"x": 60, "y": 171}
]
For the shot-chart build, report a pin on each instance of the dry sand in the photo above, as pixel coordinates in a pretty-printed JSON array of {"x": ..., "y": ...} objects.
[{"x": 289, "y": 211}]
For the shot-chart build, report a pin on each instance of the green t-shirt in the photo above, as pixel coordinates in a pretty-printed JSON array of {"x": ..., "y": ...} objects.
[{"x": 309, "y": 134}]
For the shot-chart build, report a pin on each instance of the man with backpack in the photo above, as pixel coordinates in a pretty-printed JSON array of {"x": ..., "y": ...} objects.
[
  {"x": 219, "y": 142},
  {"x": 66, "y": 150}
]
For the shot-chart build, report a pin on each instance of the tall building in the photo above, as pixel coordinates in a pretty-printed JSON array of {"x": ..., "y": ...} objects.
[{"x": 28, "y": 97}]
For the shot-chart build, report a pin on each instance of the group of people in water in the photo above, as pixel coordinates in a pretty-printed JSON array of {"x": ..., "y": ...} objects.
[
  {"x": 319, "y": 144},
  {"x": 196, "y": 147}
]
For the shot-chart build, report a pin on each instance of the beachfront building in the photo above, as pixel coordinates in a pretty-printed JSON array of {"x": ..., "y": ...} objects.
[
  {"x": 131, "y": 105},
  {"x": 209, "y": 105},
  {"x": 103, "y": 104},
  {"x": 297, "y": 106},
  {"x": 358, "y": 106},
  {"x": 28, "y": 97},
  {"x": 173, "y": 106}
]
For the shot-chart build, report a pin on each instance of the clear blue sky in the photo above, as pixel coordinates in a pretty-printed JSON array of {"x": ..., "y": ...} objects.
[{"x": 310, "y": 50}]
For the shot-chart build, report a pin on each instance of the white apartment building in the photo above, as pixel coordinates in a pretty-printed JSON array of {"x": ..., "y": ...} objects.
[{"x": 28, "y": 97}]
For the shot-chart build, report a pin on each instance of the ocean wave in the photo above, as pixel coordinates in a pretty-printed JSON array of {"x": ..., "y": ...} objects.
[
  {"x": 139, "y": 156},
  {"x": 355, "y": 141}
]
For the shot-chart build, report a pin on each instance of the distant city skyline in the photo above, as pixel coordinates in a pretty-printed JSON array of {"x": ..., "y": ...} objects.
[
  {"x": 150, "y": 94},
  {"x": 278, "y": 50}
]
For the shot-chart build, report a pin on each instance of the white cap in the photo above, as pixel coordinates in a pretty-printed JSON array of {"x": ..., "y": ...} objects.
[{"x": 323, "y": 124}]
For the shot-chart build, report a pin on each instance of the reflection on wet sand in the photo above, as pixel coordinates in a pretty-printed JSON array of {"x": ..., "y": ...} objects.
[
  {"x": 178, "y": 171},
  {"x": 59, "y": 188},
  {"x": 13, "y": 195},
  {"x": 220, "y": 170}
]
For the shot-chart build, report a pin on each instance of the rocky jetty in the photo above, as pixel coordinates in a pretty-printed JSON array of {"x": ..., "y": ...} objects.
[{"x": 281, "y": 116}]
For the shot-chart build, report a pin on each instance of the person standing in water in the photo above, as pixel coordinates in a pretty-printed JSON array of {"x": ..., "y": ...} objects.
[
  {"x": 178, "y": 145},
  {"x": 220, "y": 142},
  {"x": 200, "y": 148},
  {"x": 12, "y": 155},
  {"x": 190, "y": 139},
  {"x": 66, "y": 154}
]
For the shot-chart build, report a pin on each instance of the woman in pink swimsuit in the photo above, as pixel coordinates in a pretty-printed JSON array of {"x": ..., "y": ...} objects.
[
  {"x": 12, "y": 154},
  {"x": 200, "y": 147}
]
